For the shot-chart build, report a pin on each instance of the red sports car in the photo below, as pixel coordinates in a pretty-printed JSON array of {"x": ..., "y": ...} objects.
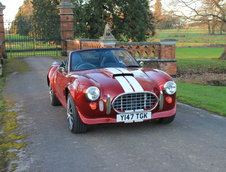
[{"x": 107, "y": 85}]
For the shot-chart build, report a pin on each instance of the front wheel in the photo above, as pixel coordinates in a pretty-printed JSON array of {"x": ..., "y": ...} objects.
[
  {"x": 75, "y": 124},
  {"x": 53, "y": 99},
  {"x": 167, "y": 120}
]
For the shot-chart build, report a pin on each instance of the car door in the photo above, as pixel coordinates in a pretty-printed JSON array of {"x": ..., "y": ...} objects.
[{"x": 62, "y": 82}]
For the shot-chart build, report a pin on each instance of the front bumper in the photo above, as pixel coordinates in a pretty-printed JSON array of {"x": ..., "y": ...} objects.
[{"x": 101, "y": 120}]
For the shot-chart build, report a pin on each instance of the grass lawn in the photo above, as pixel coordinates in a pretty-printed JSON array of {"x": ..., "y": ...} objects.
[
  {"x": 211, "y": 98},
  {"x": 198, "y": 53},
  {"x": 200, "y": 60},
  {"x": 191, "y": 37}
]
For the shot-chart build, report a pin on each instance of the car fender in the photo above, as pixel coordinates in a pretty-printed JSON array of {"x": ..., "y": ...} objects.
[
  {"x": 77, "y": 88},
  {"x": 51, "y": 73},
  {"x": 159, "y": 77}
]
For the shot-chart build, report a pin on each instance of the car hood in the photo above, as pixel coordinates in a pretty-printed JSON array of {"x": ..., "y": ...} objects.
[{"x": 121, "y": 80}]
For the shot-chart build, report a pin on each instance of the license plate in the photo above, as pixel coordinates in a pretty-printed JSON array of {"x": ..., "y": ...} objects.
[{"x": 133, "y": 117}]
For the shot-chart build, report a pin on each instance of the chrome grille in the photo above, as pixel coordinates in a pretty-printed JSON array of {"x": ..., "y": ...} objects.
[{"x": 135, "y": 101}]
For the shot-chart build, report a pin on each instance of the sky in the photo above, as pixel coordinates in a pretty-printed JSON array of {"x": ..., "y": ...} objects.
[{"x": 11, "y": 9}]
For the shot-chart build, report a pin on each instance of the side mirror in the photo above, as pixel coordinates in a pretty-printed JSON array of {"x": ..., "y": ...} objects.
[
  {"x": 55, "y": 63},
  {"x": 62, "y": 69},
  {"x": 142, "y": 64}
]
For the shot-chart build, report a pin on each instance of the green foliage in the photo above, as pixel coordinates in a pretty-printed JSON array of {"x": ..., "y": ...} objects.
[
  {"x": 80, "y": 24},
  {"x": 199, "y": 96},
  {"x": 22, "y": 23},
  {"x": 45, "y": 19},
  {"x": 133, "y": 20},
  {"x": 89, "y": 18},
  {"x": 130, "y": 19}
]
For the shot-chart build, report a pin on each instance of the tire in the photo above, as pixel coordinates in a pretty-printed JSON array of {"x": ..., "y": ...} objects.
[
  {"x": 166, "y": 120},
  {"x": 53, "y": 99},
  {"x": 75, "y": 124}
]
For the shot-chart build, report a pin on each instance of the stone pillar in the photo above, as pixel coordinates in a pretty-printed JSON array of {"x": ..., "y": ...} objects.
[
  {"x": 168, "y": 56},
  {"x": 168, "y": 49},
  {"x": 108, "y": 43},
  {"x": 2, "y": 33},
  {"x": 66, "y": 23}
]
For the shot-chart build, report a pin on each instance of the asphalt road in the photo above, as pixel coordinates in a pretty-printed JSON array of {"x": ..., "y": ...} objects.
[{"x": 194, "y": 142}]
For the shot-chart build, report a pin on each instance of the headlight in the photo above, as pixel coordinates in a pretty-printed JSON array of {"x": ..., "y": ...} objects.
[
  {"x": 170, "y": 87},
  {"x": 93, "y": 93}
]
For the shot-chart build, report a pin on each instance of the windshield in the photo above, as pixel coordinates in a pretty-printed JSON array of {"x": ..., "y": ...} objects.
[{"x": 101, "y": 58}]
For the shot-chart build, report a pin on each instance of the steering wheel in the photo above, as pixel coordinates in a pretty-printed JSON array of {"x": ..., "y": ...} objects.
[{"x": 85, "y": 66}]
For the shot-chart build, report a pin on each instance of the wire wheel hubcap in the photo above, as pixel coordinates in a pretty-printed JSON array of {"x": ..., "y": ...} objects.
[
  {"x": 70, "y": 115},
  {"x": 51, "y": 93}
]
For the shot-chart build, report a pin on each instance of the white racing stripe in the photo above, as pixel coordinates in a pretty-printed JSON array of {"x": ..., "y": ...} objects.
[
  {"x": 128, "y": 83},
  {"x": 114, "y": 71},
  {"x": 125, "y": 84},
  {"x": 124, "y": 71},
  {"x": 135, "y": 84}
]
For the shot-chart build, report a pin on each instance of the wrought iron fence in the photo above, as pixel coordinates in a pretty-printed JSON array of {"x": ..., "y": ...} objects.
[{"x": 21, "y": 42}]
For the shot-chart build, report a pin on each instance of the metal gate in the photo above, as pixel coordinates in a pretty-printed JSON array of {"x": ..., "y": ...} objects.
[{"x": 22, "y": 44}]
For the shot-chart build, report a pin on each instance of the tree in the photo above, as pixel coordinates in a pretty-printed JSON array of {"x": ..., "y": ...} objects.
[
  {"x": 80, "y": 20},
  {"x": 90, "y": 18},
  {"x": 132, "y": 20},
  {"x": 165, "y": 19},
  {"x": 129, "y": 19},
  {"x": 158, "y": 10},
  {"x": 45, "y": 19},
  {"x": 211, "y": 12},
  {"x": 169, "y": 21},
  {"x": 22, "y": 24}
]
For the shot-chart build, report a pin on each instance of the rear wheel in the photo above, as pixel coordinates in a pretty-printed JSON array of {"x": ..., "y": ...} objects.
[
  {"x": 75, "y": 124},
  {"x": 53, "y": 99},
  {"x": 167, "y": 120}
]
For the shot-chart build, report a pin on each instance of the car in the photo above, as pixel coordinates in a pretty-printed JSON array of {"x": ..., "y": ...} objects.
[{"x": 108, "y": 85}]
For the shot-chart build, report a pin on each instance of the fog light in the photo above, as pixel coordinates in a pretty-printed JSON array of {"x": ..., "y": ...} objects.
[
  {"x": 169, "y": 100},
  {"x": 93, "y": 105}
]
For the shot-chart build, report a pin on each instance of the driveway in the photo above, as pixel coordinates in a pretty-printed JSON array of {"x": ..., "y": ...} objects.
[{"x": 195, "y": 141}]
